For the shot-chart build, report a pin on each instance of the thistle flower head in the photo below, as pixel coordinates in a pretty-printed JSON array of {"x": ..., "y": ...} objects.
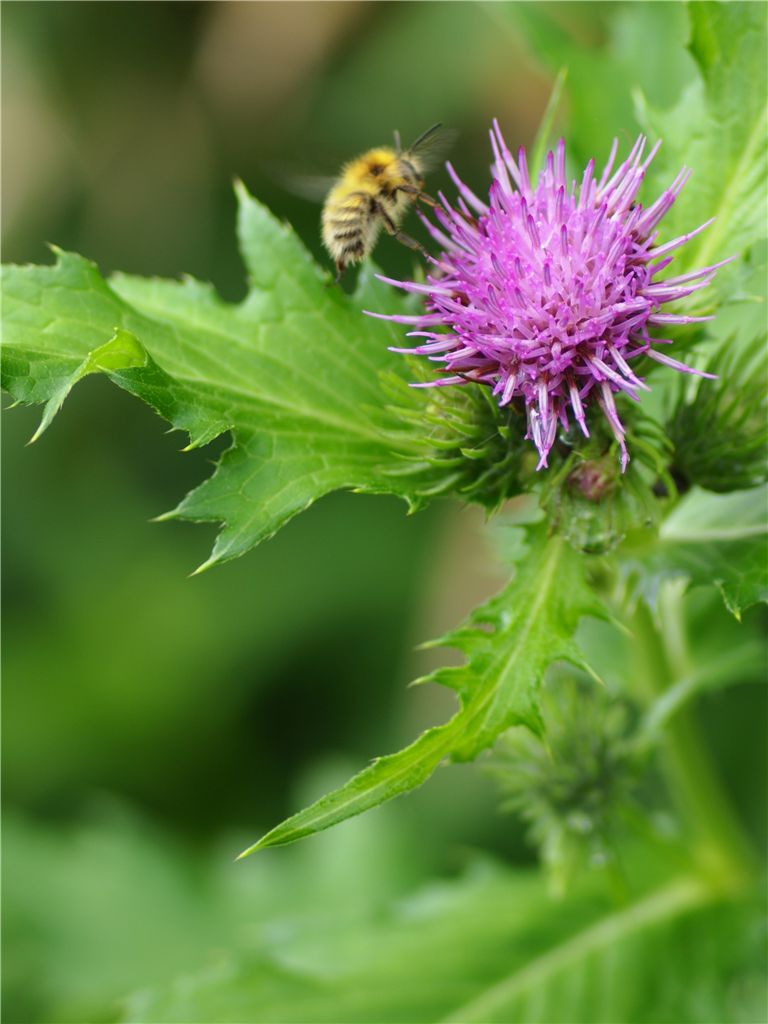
[{"x": 548, "y": 292}]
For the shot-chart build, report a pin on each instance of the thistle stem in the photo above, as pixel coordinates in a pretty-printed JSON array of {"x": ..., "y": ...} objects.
[{"x": 719, "y": 841}]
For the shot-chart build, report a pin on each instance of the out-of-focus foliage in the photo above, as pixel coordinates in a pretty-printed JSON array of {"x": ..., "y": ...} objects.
[
  {"x": 287, "y": 942},
  {"x": 713, "y": 539},
  {"x": 719, "y": 129},
  {"x": 490, "y": 947},
  {"x": 603, "y": 66}
]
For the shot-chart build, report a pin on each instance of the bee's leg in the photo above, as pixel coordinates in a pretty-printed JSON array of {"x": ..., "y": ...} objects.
[
  {"x": 418, "y": 195},
  {"x": 340, "y": 268},
  {"x": 406, "y": 240},
  {"x": 410, "y": 242},
  {"x": 392, "y": 229}
]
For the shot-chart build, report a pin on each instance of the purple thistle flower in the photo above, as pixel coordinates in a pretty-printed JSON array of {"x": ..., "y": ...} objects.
[{"x": 548, "y": 293}]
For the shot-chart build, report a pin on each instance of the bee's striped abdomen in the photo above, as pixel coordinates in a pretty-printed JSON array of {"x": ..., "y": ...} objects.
[{"x": 347, "y": 227}]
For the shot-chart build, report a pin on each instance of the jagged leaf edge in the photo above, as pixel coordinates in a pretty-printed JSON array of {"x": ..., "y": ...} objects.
[
  {"x": 129, "y": 375},
  {"x": 394, "y": 774}
]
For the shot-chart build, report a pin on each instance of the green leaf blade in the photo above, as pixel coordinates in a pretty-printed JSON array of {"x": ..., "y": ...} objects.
[
  {"x": 293, "y": 372},
  {"x": 386, "y": 778}
]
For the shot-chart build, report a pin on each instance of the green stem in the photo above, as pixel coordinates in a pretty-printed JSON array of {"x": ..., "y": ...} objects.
[{"x": 719, "y": 841}]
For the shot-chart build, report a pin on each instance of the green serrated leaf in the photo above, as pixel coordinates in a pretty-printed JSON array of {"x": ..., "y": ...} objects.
[
  {"x": 719, "y": 539},
  {"x": 509, "y": 642},
  {"x": 293, "y": 372},
  {"x": 121, "y": 352}
]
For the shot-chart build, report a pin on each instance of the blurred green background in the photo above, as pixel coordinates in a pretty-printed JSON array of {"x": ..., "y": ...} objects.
[{"x": 154, "y": 723}]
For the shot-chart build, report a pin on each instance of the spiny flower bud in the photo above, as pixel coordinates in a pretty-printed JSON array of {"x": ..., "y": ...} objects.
[
  {"x": 574, "y": 789},
  {"x": 548, "y": 293},
  {"x": 732, "y": 415}
]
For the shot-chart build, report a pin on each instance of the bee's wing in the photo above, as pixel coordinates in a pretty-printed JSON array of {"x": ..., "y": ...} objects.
[
  {"x": 314, "y": 187},
  {"x": 309, "y": 186},
  {"x": 432, "y": 145}
]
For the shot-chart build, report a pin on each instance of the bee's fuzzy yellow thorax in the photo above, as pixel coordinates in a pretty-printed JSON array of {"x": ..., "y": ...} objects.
[{"x": 372, "y": 169}]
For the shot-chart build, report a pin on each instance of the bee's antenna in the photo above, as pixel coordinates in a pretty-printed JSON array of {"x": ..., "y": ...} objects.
[{"x": 398, "y": 147}]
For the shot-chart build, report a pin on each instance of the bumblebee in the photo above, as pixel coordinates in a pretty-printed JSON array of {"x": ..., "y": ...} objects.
[{"x": 374, "y": 191}]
